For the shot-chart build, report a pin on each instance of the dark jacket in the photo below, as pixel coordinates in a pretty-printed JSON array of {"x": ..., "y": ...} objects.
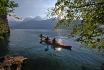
[{"x": 54, "y": 40}]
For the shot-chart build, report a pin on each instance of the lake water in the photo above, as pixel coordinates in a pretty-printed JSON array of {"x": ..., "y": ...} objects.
[{"x": 25, "y": 43}]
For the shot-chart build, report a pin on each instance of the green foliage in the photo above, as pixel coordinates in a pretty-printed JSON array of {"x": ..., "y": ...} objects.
[
  {"x": 6, "y": 7},
  {"x": 90, "y": 12}
]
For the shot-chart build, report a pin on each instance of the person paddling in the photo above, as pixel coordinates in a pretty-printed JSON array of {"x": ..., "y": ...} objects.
[
  {"x": 47, "y": 38},
  {"x": 41, "y": 36},
  {"x": 54, "y": 40}
]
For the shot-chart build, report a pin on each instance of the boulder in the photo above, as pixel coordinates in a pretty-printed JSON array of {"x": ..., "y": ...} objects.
[{"x": 12, "y": 63}]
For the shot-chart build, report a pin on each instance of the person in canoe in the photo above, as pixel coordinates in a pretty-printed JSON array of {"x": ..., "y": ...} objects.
[
  {"x": 54, "y": 40},
  {"x": 47, "y": 39},
  {"x": 41, "y": 36}
]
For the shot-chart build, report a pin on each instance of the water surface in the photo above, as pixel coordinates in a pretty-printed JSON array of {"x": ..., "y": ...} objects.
[{"x": 26, "y": 43}]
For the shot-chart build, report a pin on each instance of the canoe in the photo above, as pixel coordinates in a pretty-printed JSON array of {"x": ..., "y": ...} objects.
[{"x": 56, "y": 44}]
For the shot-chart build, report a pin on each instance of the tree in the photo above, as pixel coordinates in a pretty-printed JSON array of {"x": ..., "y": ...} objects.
[
  {"x": 91, "y": 14},
  {"x": 6, "y": 7}
]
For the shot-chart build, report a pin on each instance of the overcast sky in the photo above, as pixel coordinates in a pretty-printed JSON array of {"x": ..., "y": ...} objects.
[{"x": 33, "y": 8}]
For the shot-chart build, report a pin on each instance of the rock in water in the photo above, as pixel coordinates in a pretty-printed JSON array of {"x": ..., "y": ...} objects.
[{"x": 12, "y": 63}]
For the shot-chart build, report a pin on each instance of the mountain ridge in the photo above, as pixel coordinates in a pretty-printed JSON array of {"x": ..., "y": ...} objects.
[
  {"x": 37, "y": 18},
  {"x": 36, "y": 24}
]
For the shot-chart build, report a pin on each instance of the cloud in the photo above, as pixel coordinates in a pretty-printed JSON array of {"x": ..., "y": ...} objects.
[{"x": 31, "y": 16}]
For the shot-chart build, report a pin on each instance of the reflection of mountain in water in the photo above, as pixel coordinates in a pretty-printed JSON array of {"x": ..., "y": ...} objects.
[{"x": 4, "y": 46}]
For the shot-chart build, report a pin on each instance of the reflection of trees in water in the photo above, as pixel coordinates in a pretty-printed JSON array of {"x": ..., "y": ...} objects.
[{"x": 4, "y": 45}]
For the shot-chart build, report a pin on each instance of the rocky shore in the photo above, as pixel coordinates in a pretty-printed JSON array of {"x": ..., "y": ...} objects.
[{"x": 12, "y": 63}]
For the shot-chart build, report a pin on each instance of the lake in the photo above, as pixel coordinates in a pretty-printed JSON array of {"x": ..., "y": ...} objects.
[{"x": 25, "y": 42}]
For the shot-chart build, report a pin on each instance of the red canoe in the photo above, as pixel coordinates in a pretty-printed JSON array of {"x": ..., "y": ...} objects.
[{"x": 57, "y": 44}]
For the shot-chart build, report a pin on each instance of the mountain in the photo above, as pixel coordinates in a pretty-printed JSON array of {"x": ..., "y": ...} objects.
[
  {"x": 34, "y": 24},
  {"x": 27, "y": 19},
  {"x": 38, "y": 23},
  {"x": 37, "y": 18},
  {"x": 13, "y": 23}
]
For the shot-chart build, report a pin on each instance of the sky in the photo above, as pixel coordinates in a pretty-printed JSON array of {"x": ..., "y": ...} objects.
[{"x": 32, "y": 8}]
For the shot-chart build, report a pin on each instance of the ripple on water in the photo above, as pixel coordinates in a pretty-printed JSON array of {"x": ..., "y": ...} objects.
[{"x": 26, "y": 43}]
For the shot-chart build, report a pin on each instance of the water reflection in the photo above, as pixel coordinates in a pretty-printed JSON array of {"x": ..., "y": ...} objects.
[
  {"x": 46, "y": 49},
  {"x": 4, "y": 43},
  {"x": 59, "y": 49},
  {"x": 53, "y": 47}
]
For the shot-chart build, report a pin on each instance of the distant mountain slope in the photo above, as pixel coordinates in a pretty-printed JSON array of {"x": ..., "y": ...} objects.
[
  {"x": 14, "y": 23},
  {"x": 27, "y": 19},
  {"x": 37, "y": 23},
  {"x": 33, "y": 24},
  {"x": 37, "y": 18}
]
